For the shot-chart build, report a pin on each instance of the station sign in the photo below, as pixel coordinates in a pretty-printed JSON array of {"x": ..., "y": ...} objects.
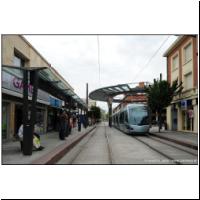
[
  {"x": 184, "y": 104},
  {"x": 55, "y": 102}
]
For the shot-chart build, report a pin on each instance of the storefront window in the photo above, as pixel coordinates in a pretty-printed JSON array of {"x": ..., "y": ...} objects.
[
  {"x": 4, "y": 120},
  {"x": 187, "y": 120},
  {"x": 40, "y": 121},
  {"x": 53, "y": 120},
  {"x": 50, "y": 120}
]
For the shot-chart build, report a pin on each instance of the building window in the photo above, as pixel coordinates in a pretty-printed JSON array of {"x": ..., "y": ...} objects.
[
  {"x": 188, "y": 53},
  {"x": 175, "y": 63},
  {"x": 18, "y": 62},
  {"x": 188, "y": 81}
]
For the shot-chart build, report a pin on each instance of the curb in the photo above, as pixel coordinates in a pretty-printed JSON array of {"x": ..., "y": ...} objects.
[
  {"x": 56, "y": 154},
  {"x": 186, "y": 144}
]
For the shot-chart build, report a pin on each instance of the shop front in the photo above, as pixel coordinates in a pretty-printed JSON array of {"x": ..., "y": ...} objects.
[
  {"x": 187, "y": 112},
  {"x": 5, "y": 120},
  {"x": 53, "y": 113},
  {"x": 12, "y": 106}
]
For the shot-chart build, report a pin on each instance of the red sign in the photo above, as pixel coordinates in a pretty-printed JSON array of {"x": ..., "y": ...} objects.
[
  {"x": 191, "y": 113},
  {"x": 18, "y": 83}
]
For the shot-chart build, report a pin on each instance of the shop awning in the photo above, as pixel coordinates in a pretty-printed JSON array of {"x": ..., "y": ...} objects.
[{"x": 49, "y": 82}]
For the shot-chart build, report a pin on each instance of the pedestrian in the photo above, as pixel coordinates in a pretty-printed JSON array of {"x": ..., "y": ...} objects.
[
  {"x": 62, "y": 125},
  {"x": 74, "y": 121},
  {"x": 84, "y": 121},
  {"x": 70, "y": 124},
  {"x": 79, "y": 122},
  {"x": 66, "y": 124},
  {"x": 36, "y": 138}
]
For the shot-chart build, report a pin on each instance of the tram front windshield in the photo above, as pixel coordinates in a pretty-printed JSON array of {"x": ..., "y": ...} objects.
[{"x": 138, "y": 115}]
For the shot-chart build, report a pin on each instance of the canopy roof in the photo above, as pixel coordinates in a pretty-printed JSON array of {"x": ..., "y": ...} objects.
[
  {"x": 49, "y": 82},
  {"x": 103, "y": 94}
]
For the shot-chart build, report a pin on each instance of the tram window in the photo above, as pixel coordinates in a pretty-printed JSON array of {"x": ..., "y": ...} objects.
[
  {"x": 121, "y": 119},
  {"x": 125, "y": 116},
  {"x": 138, "y": 116}
]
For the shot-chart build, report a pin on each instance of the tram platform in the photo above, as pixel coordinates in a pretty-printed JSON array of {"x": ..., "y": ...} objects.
[
  {"x": 188, "y": 139},
  {"x": 54, "y": 148}
]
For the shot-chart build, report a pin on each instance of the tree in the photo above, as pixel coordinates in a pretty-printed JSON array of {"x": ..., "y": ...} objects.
[
  {"x": 160, "y": 95},
  {"x": 95, "y": 112}
]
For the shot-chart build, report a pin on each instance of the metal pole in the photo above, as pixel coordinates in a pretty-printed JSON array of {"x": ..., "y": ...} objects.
[
  {"x": 87, "y": 94},
  {"x": 110, "y": 111},
  {"x": 79, "y": 121},
  {"x": 110, "y": 114},
  {"x": 27, "y": 134},
  {"x": 34, "y": 99}
]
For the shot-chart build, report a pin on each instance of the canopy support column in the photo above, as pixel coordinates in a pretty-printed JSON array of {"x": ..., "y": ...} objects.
[{"x": 110, "y": 111}]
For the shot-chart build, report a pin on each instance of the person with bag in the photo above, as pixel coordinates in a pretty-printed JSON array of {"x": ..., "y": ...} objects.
[{"x": 36, "y": 139}]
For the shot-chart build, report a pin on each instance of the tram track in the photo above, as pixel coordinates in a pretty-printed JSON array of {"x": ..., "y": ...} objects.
[
  {"x": 174, "y": 145},
  {"x": 110, "y": 153},
  {"x": 147, "y": 140},
  {"x": 83, "y": 146},
  {"x": 153, "y": 143},
  {"x": 158, "y": 151}
]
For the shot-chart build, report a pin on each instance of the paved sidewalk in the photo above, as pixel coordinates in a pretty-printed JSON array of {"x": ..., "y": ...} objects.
[
  {"x": 11, "y": 153},
  {"x": 190, "y": 139}
]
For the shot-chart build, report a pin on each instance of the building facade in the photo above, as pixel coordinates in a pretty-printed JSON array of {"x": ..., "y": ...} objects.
[
  {"x": 18, "y": 52},
  {"x": 91, "y": 103},
  {"x": 182, "y": 55},
  {"x": 130, "y": 98}
]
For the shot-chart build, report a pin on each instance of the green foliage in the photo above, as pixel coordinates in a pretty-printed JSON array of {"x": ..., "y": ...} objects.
[
  {"x": 95, "y": 112},
  {"x": 160, "y": 95}
]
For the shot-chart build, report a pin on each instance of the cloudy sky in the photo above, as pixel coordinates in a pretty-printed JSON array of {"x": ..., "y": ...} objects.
[{"x": 123, "y": 58}]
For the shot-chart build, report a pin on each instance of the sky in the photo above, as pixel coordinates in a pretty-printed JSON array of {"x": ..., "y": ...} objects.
[{"x": 122, "y": 58}]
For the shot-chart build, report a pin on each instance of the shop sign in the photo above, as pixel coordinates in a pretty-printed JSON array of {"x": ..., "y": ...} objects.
[
  {"x": 55, "y": 102},
  {"x": 15, "y": 84},
  {"x": 18, "y": 84}
]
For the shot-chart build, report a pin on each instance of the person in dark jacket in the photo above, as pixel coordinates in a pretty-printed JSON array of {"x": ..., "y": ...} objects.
[
  {"x": 79, "y": 122},
  {"x": 62, "y": 129},
  {"x": 67, "y": 124}
]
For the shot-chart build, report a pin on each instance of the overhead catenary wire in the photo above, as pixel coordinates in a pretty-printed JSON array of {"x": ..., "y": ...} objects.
[
  {"x": 155, "y": 53},
  {"x": 98, "y": 49}
]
